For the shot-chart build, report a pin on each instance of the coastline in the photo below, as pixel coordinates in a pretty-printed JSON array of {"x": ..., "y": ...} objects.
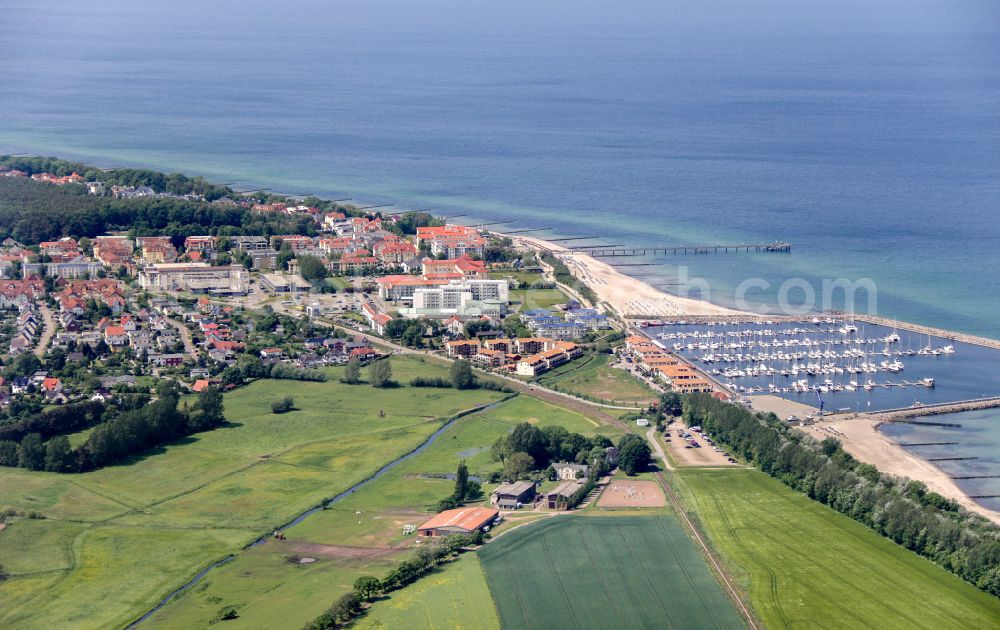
[
  {"x": 626, "y": 295},
  {"x": 860, "y": 436},
  {"x": 862, "y": 439}
]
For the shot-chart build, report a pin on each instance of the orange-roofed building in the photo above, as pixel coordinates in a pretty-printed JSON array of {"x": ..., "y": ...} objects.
[
  {"x": 201, "y": 385},
  {"x": 462, "y": 348},
  {"x": 465, "y": 520}
]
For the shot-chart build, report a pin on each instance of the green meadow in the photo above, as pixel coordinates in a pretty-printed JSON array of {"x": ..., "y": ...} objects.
[
  {"x": 363, "y": 535},
  {"x": 803, "y": 564},
  {"x": 593, "y": 378},
  {"x": 113, "y": 542}
]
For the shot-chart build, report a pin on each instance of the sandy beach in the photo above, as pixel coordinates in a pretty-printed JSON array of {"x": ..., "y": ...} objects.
[
  {"x": 861, "y": 439},
  {"x": 628, "y": 296}
]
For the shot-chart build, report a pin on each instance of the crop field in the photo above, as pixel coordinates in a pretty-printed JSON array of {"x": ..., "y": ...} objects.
[
  {"x": 593, "y": 377},
  {"x": 113, "y": 542},
  {"x": 806, "y": 565},
  {"x": 603, "y": 572},
  {"x": 362, "y": 535}
]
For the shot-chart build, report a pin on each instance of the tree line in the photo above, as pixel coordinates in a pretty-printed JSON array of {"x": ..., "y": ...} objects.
[
  {"x": 31, "y": 212},
  {"x": 900, "y": 509},
  {"x": 42, "y": 444}
]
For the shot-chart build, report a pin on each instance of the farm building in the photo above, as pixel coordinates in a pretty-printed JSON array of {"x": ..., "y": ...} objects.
[
  {"x": 569, "y": 472},
  {"x": 461, "y": 521},
  {"x": 510, "y": 496},
  {"x": 559, "y": 497}
]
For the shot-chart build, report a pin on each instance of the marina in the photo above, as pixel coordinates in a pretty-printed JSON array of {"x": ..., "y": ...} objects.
[{"x": 838, "y": 364}]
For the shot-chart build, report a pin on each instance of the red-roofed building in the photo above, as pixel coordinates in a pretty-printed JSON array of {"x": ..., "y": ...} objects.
[
  {"x": 115, "y": 336},
  {"x": 465, "y": 520},
  {"x": 357, "y": 261},
  {"x": 464, "y": 266},
  {"x": 396, "y": 251},
  {"x": 201, "y": 385}
]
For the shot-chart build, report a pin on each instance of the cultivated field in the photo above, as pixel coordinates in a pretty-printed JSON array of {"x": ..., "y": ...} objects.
[
  {"x": 807, "y": 565},
  {"x": 361, "y": 535},
  {"x": 593, "y": 376},
  {"x": 633, "y": 494},
  {"x": 603, "y": 572},
  {"x": 115, "y": 541}
]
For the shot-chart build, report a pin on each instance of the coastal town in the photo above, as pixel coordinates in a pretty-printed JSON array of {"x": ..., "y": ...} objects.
[{"x": 561, "y": 384}]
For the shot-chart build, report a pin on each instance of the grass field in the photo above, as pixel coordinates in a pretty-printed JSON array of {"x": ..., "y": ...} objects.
[
  {"x": 592, "y": 376},
  {"x": 527, "y": 299},
  {"x": 360, "y": 535},
  {"x": 603, "y": 572},
  {"x": 115, "y": 541},
  {"x": 453, "y": 598},
  {"x": 808, "y": 565}
]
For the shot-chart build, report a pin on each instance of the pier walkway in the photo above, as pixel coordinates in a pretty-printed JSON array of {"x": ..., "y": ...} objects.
[{"x": 601, "y": 251}]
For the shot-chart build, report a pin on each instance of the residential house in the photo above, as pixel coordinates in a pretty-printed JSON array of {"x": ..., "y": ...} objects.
[{"x": 568, "y": 471}]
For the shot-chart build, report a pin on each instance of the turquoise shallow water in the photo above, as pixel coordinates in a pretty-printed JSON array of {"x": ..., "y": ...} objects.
[{"x": 864, "y": 133}]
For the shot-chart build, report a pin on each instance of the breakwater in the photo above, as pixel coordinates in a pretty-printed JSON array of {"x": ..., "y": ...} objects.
[{"x": 902, "y": 414}]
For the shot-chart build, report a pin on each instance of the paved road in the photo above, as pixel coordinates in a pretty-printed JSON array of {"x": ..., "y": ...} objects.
[
  {"x": 185, "y": 336},
  {"x": 48, "y": 330}
]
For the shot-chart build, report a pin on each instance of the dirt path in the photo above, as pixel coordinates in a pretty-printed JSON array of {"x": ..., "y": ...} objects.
[
  {"x": 658, "y": 448},
  {"x": 720, "y": 571},
  {"x": 48, "y": 330},
  {"x": 185, "y": 336}
]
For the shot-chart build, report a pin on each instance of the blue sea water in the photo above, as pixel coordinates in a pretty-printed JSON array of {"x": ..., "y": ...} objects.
[{"x": 866, "y": 133}]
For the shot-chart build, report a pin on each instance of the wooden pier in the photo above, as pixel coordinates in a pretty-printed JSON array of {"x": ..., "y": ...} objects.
[{"x": 598, "y": 251}]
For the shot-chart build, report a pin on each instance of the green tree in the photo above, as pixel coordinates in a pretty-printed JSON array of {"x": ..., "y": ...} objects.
[
  {"x": 8, "y": 453},
  {"x": 380, "y": 373},
  {"x": 208, "y": 410},
  {"x": 462, "y": 376},
  {"x": 283, "y": 405},
  {"x": 461, "y": 482},
  {"x": 352, "y": 372},
  {"x": 671, "y": 403},
  {"x": 346, "y": 607},
  {"x": 58, "y": 455},
  {"x": 31, "y": 452},
  {"x": 633, "y": 454},
  {"x": 367, "y": 587},
  {"x": 312, "y": 268},
  {"x": 518, "y": 464},
  {"x": 527, "y": 438}
]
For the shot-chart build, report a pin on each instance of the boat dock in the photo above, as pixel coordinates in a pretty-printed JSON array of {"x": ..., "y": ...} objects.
[
  {"x": 986, "y": 342},
  {"x": 599, "y": 251},
  {"x": 902, "y": 414}
]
